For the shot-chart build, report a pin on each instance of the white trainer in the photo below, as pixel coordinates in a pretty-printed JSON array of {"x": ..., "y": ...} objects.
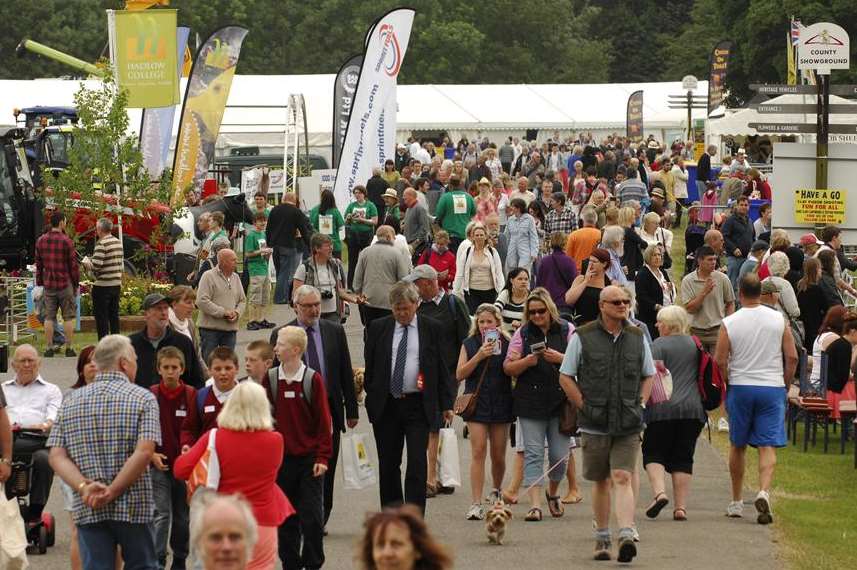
[
  {"x": 735, "y": 509},
  {"x": 763, "y": 508},
  {"x": 723, "y": 425}
]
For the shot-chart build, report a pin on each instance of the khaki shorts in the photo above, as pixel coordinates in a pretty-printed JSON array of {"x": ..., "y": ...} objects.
[
  {"x": 604, "y": 453},
  {"x": 60, "y": 299},
  {"x": 259, "y": 290}
]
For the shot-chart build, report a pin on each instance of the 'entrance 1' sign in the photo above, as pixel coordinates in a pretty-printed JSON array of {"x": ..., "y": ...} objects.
[{"x": 813, "y": 206}]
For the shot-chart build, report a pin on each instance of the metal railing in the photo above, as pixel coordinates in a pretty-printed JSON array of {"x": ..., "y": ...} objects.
[{"x": 13, "y": 303}]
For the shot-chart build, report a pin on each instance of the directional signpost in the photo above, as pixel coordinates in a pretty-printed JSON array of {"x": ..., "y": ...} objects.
[{"x": 822, "y": 47}]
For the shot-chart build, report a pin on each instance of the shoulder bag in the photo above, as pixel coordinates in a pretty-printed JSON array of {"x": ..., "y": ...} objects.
[
  {"x": 668, "y": 260},
  {"x": 465, "y": 405}
]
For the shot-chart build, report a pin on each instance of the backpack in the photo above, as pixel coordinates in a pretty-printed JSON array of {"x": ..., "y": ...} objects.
[
  {"x": 709, "y": 382},
  {"x": 306, "y": 384},
  {"x": 201, "y": 395}
]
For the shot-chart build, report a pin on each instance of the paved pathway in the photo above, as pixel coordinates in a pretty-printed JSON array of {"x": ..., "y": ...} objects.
[{"x": 707, "y": 540}]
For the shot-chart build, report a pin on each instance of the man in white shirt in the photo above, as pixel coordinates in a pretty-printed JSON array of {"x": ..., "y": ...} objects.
[
  {"x": 33, "y": 404},
  {"x": 756, "y": 356},
  {"x": 523, "y": 191}
]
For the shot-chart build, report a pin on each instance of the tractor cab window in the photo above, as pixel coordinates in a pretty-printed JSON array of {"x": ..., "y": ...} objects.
[
  {"x": 57, "y": 147},
  {"x": 8, "y": 217}
]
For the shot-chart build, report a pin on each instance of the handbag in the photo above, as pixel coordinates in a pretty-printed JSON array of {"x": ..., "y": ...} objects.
[
  {"x": 568, "y": 418},
  {"x": 465, "y": 404},
  {"x": 447, "y": 458},
  {"x": 668, "y": 260},
  {"x": 206, "y": 472},
  {"x": 797, "y": 326},
  {"x": 662, "y": 386},
  {"x": 13, "y": 535}
]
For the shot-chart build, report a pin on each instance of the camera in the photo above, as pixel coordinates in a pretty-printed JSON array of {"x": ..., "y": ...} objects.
[{"x": 327, "y": 295}]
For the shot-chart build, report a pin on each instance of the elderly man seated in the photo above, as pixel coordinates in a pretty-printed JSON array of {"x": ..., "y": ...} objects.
[{"x": 32, "y": 404}]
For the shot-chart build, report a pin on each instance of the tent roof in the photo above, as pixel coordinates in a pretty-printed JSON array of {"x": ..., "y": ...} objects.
[{"x": 479, "y": 107}]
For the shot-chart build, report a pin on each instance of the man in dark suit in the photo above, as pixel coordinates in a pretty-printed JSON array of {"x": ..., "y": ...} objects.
[
  {"x": 407, "y": 385},
  {"x": 327, "y": 352}
]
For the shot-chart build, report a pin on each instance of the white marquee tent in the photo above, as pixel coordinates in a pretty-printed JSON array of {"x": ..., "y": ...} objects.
[{"x": 253, "y": 115}]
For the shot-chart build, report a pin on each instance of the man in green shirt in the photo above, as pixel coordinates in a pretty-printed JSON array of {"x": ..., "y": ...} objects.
[
  {"x": 454, "y": 211},
  {"x": 257, "y": 253}
]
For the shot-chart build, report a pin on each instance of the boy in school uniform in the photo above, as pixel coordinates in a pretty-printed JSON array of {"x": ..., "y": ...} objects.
[
  {"x": 258, "y": 359},
  {"x": 202, "y": 415},
  {"x": 172, "y": 516},
  {"x": 302, "y": 415}
]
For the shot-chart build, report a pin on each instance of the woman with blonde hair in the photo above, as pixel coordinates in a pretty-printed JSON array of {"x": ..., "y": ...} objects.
[
  {"x": 478, "y": 270},
  {"x": 672, "y": 427},
  {"x": 182, "y": 305},
  {"x": 480, "y": 366},
  {"x": 250, "y": 453},
  {"x": 535, "y": 354}
]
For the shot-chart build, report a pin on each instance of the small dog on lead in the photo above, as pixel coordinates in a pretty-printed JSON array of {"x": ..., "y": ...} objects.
[{"x": 496, "y": 521}]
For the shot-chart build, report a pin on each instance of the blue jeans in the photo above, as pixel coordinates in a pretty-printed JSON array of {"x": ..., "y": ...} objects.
[
  {"x": 170, "y": 506},
  {"x": 98, "y": 543},
  {"x": 535, "y": 432},
  {"x": 733, "y": 269},
  {"x": 290, "y": 258},
  {"x": 209, "y": 339}
]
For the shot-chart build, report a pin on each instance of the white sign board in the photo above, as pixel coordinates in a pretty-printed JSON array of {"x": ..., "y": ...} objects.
[
  {"x": 823, "y": 46},
  {"x": 689, "y": 83}
]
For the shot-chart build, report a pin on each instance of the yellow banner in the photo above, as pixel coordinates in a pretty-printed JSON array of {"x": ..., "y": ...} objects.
[
  {"x": 820, "y": 206},
  {"x": 204, "y": 105},
  {"x": 143, "y": 48}
]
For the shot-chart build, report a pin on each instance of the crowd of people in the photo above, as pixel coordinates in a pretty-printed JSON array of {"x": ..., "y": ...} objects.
[{"x": 541, "y": 277}]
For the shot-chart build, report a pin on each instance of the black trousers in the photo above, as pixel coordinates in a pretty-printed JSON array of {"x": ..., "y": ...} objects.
[
  {"x": 43, "y": 475},
  {"x": 357, "y": 242},
  {"x": 105, "y": 307},
  {"x": 369, "y": 314},
  {"x": 306, "y": 494},
  {"x": 403, "y": 421},
  {"x": 475, "y": 297},
  {"x": 330, "y": 475}
]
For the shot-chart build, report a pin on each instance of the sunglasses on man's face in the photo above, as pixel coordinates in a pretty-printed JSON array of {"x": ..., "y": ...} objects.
[{"x": 620, "y": 302}]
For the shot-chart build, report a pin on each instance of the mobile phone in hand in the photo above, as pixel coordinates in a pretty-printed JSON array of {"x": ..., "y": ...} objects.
[
  {"x": 538, "y": 347},
  {"x": 493, "y": 335}
]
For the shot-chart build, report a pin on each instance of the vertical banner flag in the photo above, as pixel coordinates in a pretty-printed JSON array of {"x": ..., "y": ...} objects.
[
  {"x": 719, "y": 65},
  {"x": 386, "y": 143},
  {"x": 343, "y": 97},
  {"x": 634, "y": 117},
  {"x": 156, "y": 126},
  {"x": 385, "y": 50},
  {"x": 143, "y": 52},
  {"x": 204, "y": 103}
]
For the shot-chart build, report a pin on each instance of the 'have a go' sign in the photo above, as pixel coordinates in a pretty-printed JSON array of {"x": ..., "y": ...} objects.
[{"x": 820, "y": 206}]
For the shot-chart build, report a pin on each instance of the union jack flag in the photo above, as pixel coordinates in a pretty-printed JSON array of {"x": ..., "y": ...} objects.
[{"x": 795, "y": 29}]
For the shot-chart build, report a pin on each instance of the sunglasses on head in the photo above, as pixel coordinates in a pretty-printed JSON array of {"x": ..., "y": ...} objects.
[{"x": 620, "y": 302}]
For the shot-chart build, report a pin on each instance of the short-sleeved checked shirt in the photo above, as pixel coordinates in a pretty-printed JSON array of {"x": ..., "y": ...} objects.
[
  {"x": 99, "y": 426},
  {"x": 56, "y": 261},
  {"x": 564, "y": 222}
]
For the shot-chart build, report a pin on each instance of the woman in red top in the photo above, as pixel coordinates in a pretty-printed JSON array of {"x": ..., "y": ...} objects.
[
  {"x": 250, "y": 453},
  {"x": 442, "y": 259}
]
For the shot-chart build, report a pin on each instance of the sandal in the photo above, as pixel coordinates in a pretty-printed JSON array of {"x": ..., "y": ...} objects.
[
  {"x": 533, "y": 515},
  {"x": 659, "y": 502},
  {"x": 679, "y": 514},
  {"x": 572, "y": 499},
  {"x": 555, "y": 505}
]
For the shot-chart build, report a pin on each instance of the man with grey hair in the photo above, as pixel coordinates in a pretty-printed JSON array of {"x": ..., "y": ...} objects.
[
  {"x": 379, "y": 267},
  {"x": 220, "y": 299},
  {"x": 407, "y": 386},
  {"x": 106, "y": 265},
  {"x": 223, "y": 531},
  {"x": 416, "y": 224},
  {"x": 375, "y": 188},
  {"x": 101, "y": 446}
]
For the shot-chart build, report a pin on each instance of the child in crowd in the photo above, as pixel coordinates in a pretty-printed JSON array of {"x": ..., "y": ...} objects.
[
  {"x": 175, "y": 398},
  {"x": 441, "y": 258},
  {"x": 302, "y": 415},
  {"x": 257, "y": 254},
  {"x": 202, "y": 415},
  {"x": 258, "y": 359}
]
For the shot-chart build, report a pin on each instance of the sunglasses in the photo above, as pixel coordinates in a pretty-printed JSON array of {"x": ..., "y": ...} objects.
[
  {"x": 620, "y": 302},
  {"x": 538, "y": 311}
]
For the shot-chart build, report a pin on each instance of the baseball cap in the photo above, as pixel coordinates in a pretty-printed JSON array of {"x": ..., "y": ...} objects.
[
  {"x": 759, "y": 245},
  {"x": 153, "y": 299},
  {"x": 769, "y": 287},
  {"x": 809, "y": 239},
  {"x": 421, "y": 272}
]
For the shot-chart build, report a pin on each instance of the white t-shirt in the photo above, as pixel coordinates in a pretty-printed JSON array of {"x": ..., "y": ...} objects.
[
  {"x": 756, "y": 343},
  {"x": 324, "y": 281}
]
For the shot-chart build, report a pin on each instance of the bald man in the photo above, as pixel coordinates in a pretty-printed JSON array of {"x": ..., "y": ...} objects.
[
  {"x": 33, "y": 404},
  {"x": 379, "y": 267},
  {"x": 220, "y": 299}
]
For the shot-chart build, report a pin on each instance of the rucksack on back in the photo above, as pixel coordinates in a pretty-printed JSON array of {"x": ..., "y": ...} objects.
[{"x": 710, "y": 383}]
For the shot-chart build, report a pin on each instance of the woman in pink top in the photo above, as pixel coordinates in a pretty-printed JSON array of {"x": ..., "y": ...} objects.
[
  {"x": 486, "y": 202},
  {"x": 250, "y": 453}
]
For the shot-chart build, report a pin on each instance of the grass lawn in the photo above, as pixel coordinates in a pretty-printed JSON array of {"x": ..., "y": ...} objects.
[{"x": 814, "y": 495}]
